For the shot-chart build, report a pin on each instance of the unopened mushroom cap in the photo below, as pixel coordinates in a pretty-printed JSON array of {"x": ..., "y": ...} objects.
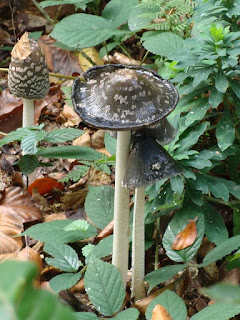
[
  {"x": 119, "y": 97},
  {"x": 28, "y": 75},
  {"x": 162, "y": 131},
  {"x": 148, "y": 162}
]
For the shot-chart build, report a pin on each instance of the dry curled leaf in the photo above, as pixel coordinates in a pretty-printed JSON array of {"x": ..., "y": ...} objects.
[
  {"x": 45, "y": 185},
  {"x": 83, "y": 140},
  {"x": 186, "y": 237},
  {"x": 22, "y": 48},
  {"x": 91, "y": 53},
  {"x": 160, "y": 313},
  {"x": 10, "y": 226},
  {"x": 106, "y": 231}
]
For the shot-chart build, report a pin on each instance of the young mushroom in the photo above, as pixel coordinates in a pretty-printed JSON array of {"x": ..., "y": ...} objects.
[
  {"x": 122, "y": 98},
  {"x": 28, "y": 76},
  {"x": 148, "y": 163}
]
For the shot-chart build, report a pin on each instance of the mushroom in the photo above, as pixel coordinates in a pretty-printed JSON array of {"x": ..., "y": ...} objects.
[
  {"x": 122, "y": 98},
  {"x": 28, "y": 76},
  {"x": 148, "y": 163}
]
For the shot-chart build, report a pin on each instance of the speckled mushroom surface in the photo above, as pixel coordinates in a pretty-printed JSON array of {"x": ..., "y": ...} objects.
[
  {"x": 28, "y": 75},
  {"x": 119, "y": 97}
]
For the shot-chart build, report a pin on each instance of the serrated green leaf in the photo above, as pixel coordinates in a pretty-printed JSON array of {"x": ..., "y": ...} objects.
[
  {"x": 224, "y": 292},
  {"x": 63, "y": 135},
  {"x": 54, "y": 231},
  {"x": 216, "y": 97},
  {"x": 103, "y": 284},
  {"x": 64, "y": 258},
  {"x": 117, "y": 12},
  {"x": 84, "y": 30},
  {"x": 215, "y": 228},
  {"x": 99, "y": 205},
  {"x": 161, "y": 43},
  {"x": 86, "y": 316},
  {"x": 76, "y": 174},
  {"x": 102, "y": 249},
  {"x": 163, "y": 274},
  {"x": 28, "y": 163},
  {"x": 172, "y": 303},
  {"x": 177, "y": 224},
  {"x": 221, "y": 82},
  {"x": 225, "y": 131},
  {"x": 70, "y": 152},
  {"x": 77, "y": 225},
  {"x": 49, "y": 3},
  {"x": 217, "y": 311},
  {"x": 17, "y": 135},
  {"x": 222, "y": 250},
  {"x": 129, "y": 314},
  {"x": 64, "y": 281},
  {"x": 177, "y": 184},
  {"x": 29, "y": 142},
  {"x": 110, "y": 143}
]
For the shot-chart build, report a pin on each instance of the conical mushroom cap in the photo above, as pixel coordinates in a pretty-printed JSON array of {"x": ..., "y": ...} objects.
[
  {"x": 28, "y": 75},
  {"x": 148, "y": 162},
  {"x": 118, "y": 97},
  {"x": 162, "y": 131}
]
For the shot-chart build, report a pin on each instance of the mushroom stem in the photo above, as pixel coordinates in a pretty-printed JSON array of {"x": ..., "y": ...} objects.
[
  {"x": 138, "y": 245},
  {"x": 121, "y": 207},
  {"x": 28, "y": 113}
]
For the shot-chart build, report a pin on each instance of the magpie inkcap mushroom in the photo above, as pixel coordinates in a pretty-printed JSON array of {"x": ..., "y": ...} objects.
[{"x": 119, "y": 97}]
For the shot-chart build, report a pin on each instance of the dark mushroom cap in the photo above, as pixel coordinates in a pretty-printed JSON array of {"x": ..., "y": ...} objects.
[
  {"x": 119, "y": 97},
  {"x": 29, "y": 77},
  {"x": 148, "y": 162},
  {"x": 162, "y": 131}
]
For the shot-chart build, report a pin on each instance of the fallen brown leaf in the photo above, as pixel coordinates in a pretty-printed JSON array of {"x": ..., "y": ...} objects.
[
  {"x": 186, "y": 237},
  {"x": 160, "y": 313},
  {"x": 69, "y": 117},
  {"x": 22, "y": 48},
  {"x": 10, "y": 226},
  {"x": 92, "y": 53},
  {"x": 45, "y": 185},
  {"x": 97, "y": 139},
  {"x": 83, "y": 140},
  {"x": 105, "y": 232}
]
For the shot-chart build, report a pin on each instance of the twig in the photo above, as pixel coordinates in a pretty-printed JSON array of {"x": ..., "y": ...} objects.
[{"x": 46, "y": 15}]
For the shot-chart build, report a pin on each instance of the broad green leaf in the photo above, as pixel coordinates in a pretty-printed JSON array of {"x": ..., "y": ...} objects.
[
  {"x": 225, "y": 131},
  {"x": 29, "y": 142},
  {"x": 86, "y": 316},
  {"x": 177, "y": 224},
  {"x": 139, "y": 18},
  {"x": 49, "y": 3},
  {"x": 235, "y": 88},
  {"x": 20, "y": 300},
  {"x": 163, "y": 274},
  {"x": 222, "y": 250},
  {"x": 102, "y": 249},
  {"x": 217, "y": 311},
  {"x": 62, "y": 135},
  {"x": 216, "y": 187},
  {"x": 200, "y": 184},
  {"x": 117, "y": 12},
  {"x": 64, "y": 281},
  {"x": 99, "y": 205},
  {"x": 17, "y": 135},
  {"x": 103, "y": 284},
  {"x": 129, "y": 314},
  {"x": 70, "y": 152},
  {"x": 64, "y": 258},
  {"x": 177, "y": 184},
  {"x": 161, "y": 43},
  {"x": 110, "y": 143},
  {"x": 76, "y": 225},
  {"x": 216, "y": 97},
  {"x": 215, "y": 228},
  {"x": 197, "y": 113},
  {"x": 221, "y": 82},
  {"x": 224, "y": 292},
  {"x": 54, "y": 231},
  {"x": 172, "y": 303},
  {"x": 198, "y": 162},
  {"x": 28, "y": 163},
  {"x": 84, "y": 30}
]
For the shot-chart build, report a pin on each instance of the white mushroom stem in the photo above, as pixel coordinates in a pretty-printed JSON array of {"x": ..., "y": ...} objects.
[
  {"x": 121, "y": 207},
  {"x": 138, "y": 245},
  {"x": 28, "y": 113}
]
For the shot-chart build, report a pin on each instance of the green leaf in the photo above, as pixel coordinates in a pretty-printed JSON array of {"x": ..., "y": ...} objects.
[
  {"x": 217, "y": 188},
  {"x": 62, "y": 135},
  {"x": 117, "y": 12},
  {"x": 221, "y": 82},
  {"x": 64, "y": 281},
  {"x": 99, "y": 205},
  {"x": 54, "y": 231},
  {"x": 103, "y": 284},
  {"x": 76, "y": 225},
  {"x": 235, "y": 88},
  {"x": 172, "y": 303},
  {"x": 198, "y": 161},
  {"x": 197, "y": 113},
  {"x": 177, "y": 224},
  {"x": 28, "y": 163},
  {"x": 222, "y": 250},
  {"x": 20, "y": 300},
  {"x": 84, "y": 30},
  {"x": 129, "y": 314},
  {"x": 70, "y": 152},
  {"x": 225, "y": 132},
  {"x": 17, "y": 135},
  {"x": 224, "y": 292},
  {"x": 217, "y": 311},
  {"x": 163, "y": 274},
  {"x": 102, "y": 249},
  {"x": 161, "y": 43},
  {"x": 215, "y": 98},
  {"x": 86, "y": 316},
  {"x": 177, "y": 184},
  {"x": 49, "y": 3},
  {"x": 29, "y": 142},
  {"x": 64, "y": 258},
  {"x": 215, "y": 228},
  {"x": 110, "y": 143}
]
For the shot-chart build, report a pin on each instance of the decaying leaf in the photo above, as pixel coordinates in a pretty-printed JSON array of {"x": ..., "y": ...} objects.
[
  {"x": 45, "y": 185},
  {"x": 186, "y": 237},
  {"x": 83, "y": 140},
  {"x": 69, "y": 117},
  {"x": 97, "y": 139},
  {"x": 92, "y": 53},
  {"x": 160, "y": 313},
  {"x": 106, "y": 231},
  {"x": 10, "y": 226},
  {"x": 22, "y": 48}
]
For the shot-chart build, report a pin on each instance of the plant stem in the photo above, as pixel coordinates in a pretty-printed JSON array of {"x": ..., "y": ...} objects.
[
  {"x": 121, "y": 207},
  {"x": 156, "y": 263},
  {"x": 28, "y": 113},
  {"x": 46, "y": 15},
  {"x": 138, "y": 245}
]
